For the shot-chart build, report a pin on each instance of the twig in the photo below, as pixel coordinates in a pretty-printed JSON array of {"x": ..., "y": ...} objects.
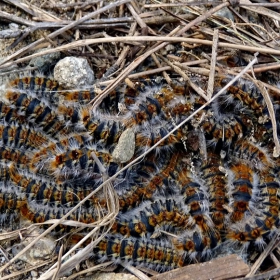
[
  {"x": 251, "y": 26},
  {"x": 136, "y": 272},
  {"x": 58, "y": 263},
  {"x": 13, "y": 18},
  {"x": 275, "y": 260},
  {"x": 94, "y": 23},
  {"x": 273, "y": 243},
  {"x": 138, "y": 19},
  {"x": 77, "y": 31},
  {"x": 159, "y": 20},
  {"x": 186, "y": 78},
  {"x": 261, "y": 67},
  {"x": 181, "y": 65},
  {"x": 263, "y": 276},
  {"x": 77, "y": 258},
  {"x": 122, "y": 58},
  {"x": 165, "y": 75},
  {"x": 16, "y": 274},
  {"x": 137, "y": 61},
  {"x": 52, "y": 43},
  {"x": 222, "y": 36},
  {"x": 4, "y": 253},
  {"x": 270, "y": 5},
  {"x": 63, "y": 29},
  {"x": 261, "y": 87},
  {"x": 261, "y": 10},
  {"x": 153, "y": 20},
  {"x": 154, "y": 49},
  {"x": 21, "y": 6},
  {"x": 194, "y": 3},
  {"x": 92, "y": 269},
  {"x": 210, "y": 86},
  {"x": 41, "y": 13},
  {"x": 195, "y": 70},
  {"x": 74, "y": 5}
]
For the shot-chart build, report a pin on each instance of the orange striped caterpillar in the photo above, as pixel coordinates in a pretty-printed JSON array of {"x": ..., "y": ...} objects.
[
  {"x": 11, "y": 200},
  {"x": 45, "y": 192},
  {"x": 242, "y": 184},
  {"x": 148, "y": 218},
  {"x": 21, "y": 136},
  {"x": 41, "y": 86},
  {"x": 157, "y": 255},
  {"x": 26, "y": 109},
  {"x": 218, "y": 190},
  {"x": 71, "y": 160},
  {"x": 198, "y": 246},
  {"x": 265, "y": 219},
  {"x": 184, "y": 187},
  {"x": 195, "y": 196}
]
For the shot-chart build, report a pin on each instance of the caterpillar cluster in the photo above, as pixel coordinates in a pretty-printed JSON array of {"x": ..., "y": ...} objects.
[{"x": 212, "y": 182}]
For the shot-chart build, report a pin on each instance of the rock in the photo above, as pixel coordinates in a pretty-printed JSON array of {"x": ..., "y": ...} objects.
[
  {"x": 44, "y": 62},
  {"x": 225, "y": 12},
  {"x": 42, "y": 250},
  {"x": 34, "y": 273},
  {"x": 72, "y": 72},
  {"x": 12, "y": 32},
  {"x": 14, "y": 26},
  {"x": 125, "y": 148}
]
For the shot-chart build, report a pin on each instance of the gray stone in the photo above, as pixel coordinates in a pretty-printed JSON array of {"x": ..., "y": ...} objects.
[
  {"x": 34, "y": 273},
  {"x": 72, "y": 72},
  {"x": 42, "y": 250},
  {"x": 14, "y": 26},
  {"x": 125, "y": 148},
  {"x": 225, "y": 12},
  {"x": 44, "y": 62}
]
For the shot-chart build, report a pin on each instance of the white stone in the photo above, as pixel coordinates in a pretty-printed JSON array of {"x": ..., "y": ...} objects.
[
  {"x": 34, "y": 273},
  {"x": 73, "y": 73}
]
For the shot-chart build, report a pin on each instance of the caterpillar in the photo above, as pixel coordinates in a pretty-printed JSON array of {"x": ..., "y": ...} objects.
[
  {"x": 242, "y": 182},
  {"x": 43, "y": 87},
  {"x": 218, "y": 189},
  {"x": 15, "y": 135},
  {"x": 212, "y": 181},
  {"x": 29, "y": 109},
  {"x": 164, "y": 213},
  {"x": 44, "y": 191},
  {"x": 157, "y": 255},
  {"x": 266, "y": 219}
]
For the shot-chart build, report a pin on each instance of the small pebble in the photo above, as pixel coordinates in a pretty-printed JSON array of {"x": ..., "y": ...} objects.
[
  {"x": 34, "y": 273},
  {"x": 42, "y": 250},
  {"x": 14, "y": 26},
  {"x": 44, "y": 62},
  {"x": 72, "y": 72},
  {"x": 225, "y": 12},
  {"x": 125, "y": 148}
]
